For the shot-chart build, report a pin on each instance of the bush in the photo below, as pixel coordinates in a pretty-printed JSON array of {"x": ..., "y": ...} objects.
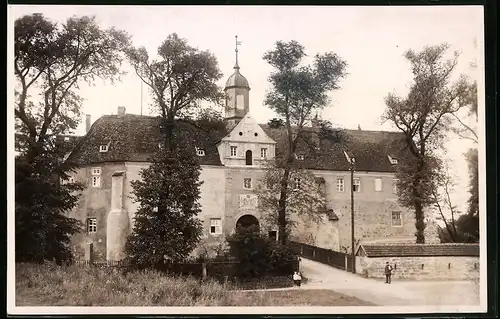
[{"x": 258, "y": 255}]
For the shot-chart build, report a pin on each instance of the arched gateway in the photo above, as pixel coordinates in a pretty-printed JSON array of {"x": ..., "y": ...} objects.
[{"x": 247, "y": 221}]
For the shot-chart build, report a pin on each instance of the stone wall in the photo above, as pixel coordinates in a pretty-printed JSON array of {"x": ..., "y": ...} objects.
[
  {"x": 421, "y": 268},
  {"x": 372, "y": 209}
]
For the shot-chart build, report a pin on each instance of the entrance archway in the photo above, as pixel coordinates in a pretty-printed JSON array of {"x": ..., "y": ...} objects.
[{"x": 246, "y": 221}]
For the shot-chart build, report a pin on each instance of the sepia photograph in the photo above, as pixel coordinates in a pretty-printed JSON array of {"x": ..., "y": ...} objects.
[{"x": 246, "y": 159}]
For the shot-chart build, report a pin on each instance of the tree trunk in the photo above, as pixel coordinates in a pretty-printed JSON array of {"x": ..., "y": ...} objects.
[
  {"x": 419, "y": 209},
  {"x": 282, "y": 233}
]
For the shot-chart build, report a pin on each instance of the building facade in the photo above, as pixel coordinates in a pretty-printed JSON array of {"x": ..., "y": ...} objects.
[{"x": 117, "y": 147}]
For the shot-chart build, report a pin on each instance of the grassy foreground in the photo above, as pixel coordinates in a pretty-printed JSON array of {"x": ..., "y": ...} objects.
[{"x": 49, "y": 285}]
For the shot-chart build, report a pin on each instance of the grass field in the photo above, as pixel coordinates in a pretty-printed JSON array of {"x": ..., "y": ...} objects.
[{"x": 49, "y": 285}]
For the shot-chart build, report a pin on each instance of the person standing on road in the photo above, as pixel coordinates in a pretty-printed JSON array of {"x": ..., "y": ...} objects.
[{"x": 388, "y": 273}]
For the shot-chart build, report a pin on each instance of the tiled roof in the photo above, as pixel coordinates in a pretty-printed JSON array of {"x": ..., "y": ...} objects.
[
  {"x": 418, "y": 250},
  {"x": 370, "y": 149},
  {"x": 134, "y": 138}
]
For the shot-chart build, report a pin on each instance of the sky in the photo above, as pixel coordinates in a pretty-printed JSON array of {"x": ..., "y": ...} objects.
[{"x": 372, "y": 40}]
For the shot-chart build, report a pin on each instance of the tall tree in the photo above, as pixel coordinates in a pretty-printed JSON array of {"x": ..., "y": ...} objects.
[
  {"x": 424, "y": 116},
  {"x": 166, "y": 226},
  {"x": 180, "y": 79},
  {"x": 296, "y": 93},
  {"x": 50, "y": 62}
]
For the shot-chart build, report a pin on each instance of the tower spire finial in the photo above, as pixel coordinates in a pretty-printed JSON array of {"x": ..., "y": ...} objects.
[{"x": 236, "y": 66}]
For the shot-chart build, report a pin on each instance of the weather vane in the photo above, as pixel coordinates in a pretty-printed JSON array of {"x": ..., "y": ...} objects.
[{"x": 236, "y": 50}]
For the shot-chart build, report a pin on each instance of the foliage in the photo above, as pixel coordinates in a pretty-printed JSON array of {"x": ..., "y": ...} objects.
[
  {"x": 467, "y": 230},
  {"x": 166, "y": 226},
  {"x": 180, "y": 78},
  {"x": 258, "y": 255},
  {"x": 306, "y": 201},
  {"x": 276, "y": 123},
  {"x": 296, "y": 93},
  {"x": 50, "y": 62},
  {"x": 425, "y": 116},
  {"x": 48, "y": 285}
]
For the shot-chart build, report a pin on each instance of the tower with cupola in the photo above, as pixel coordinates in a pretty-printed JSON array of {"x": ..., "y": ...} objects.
[{"x": 237, "y": 95}]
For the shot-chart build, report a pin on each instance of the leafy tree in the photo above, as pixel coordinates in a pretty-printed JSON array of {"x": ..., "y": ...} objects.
[
  {"x": 307, "y": 200},
  {"x": 50, "y": 62},
  {"x": 296, "y": 93},
  {"x": 166, "y": 225},
  {"x": 424, "y": 116},
  {"x": 179, "y": 79}
]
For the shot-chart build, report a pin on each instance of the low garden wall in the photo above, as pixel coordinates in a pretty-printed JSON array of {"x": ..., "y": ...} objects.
[{"x": 420, "y": 262}]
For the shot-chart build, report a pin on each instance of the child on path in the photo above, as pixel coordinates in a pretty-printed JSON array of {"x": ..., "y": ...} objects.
[{"x": 297, "y": 278}]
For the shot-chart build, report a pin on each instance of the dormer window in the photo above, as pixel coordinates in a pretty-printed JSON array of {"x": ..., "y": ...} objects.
[
  {"x": 300, "y": 157},
  {"x": 104, "y": 148},
  {"x": 200, "y": 152},
  {"x": 393, "y": 160}
]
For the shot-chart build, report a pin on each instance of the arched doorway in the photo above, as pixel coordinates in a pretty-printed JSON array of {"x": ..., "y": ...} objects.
[
  {"x": 246, "y": 221},
  {"x": 248, "y": 157}
]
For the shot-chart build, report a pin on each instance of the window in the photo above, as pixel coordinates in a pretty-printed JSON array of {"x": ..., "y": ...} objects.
[
  {"x": 215, "y": 226},
  {"x": 66, "y": 138},
  {"x": 91, "y": 225},
  {"x": 263, "y": 153},
  {"x": 233, "y": 150},
  {"x": 340, "y": 184},
  {"x": 247, "y": 183},
  {"x": 300, "y": 157},
  {"x": 200, "y": 152},
  {"x": 356, "y": 186},
  {"x": 296, "y": 183},
  {"x": 395, "y": 186},
  {"x": 96, "y": 181},
  {"x": 71, "y": 180},
  {"x": 96, "y": 177},
  {"x": 396, "y": 219},
  {"x": 273, "y": 235},
  {"x": 103, "y": 148},
  {"x": 378, "y": 184}
]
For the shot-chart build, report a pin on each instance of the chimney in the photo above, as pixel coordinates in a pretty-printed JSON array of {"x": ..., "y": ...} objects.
[
  {"x": 87, "y": 123},
  {"x": 121, "y": 111}
]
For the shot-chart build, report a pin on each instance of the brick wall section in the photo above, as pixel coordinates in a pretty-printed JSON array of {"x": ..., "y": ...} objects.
[{"x": 434, "y": 267}]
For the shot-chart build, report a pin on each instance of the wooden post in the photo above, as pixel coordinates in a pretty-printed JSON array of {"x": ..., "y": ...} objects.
[
  {"x": 345, "y": 262},
  {"x": 89, "y": 253},
  {"x": 203, "y": 271}
]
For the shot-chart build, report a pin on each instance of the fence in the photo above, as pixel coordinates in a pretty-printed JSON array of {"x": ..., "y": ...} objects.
[
  {"x": 221, "y": 270},
  {"x": 325, "y": 256}
]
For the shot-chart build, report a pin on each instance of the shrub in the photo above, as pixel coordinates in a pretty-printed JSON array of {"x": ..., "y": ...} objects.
[{"x": 258, "y": 255}]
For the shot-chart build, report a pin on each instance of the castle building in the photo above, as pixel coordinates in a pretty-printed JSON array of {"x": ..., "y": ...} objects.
[{"x": 117, "y": 147}]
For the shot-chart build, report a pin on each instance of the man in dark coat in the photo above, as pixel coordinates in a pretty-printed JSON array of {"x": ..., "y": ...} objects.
[{"x": 388, "y": 273}]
